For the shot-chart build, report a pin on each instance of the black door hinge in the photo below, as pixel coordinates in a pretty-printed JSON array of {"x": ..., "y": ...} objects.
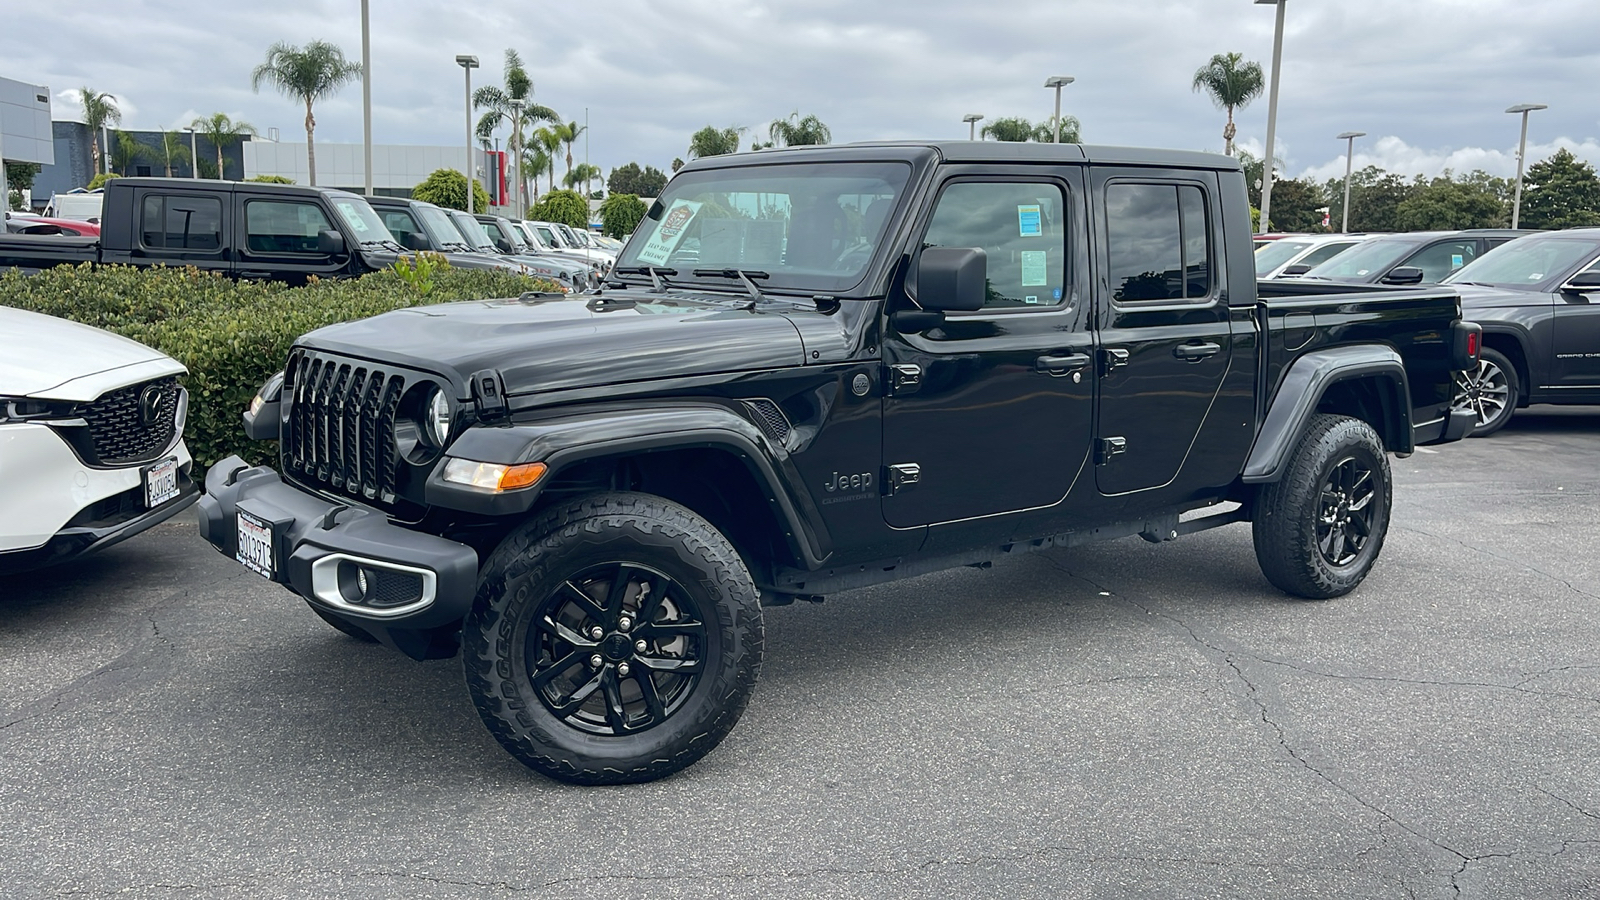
[
  {"x": 904, "y": 379},
  {"x": 1105, "y": 448},
  {"x": 1112, "y": 358},
  {"x": 900, "y": 476}
]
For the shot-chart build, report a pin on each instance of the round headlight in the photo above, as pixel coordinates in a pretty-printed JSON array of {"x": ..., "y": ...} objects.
[{"x": 439, "y": 417}]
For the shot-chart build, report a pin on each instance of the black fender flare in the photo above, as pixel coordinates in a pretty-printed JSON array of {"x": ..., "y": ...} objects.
[
  {"x": 1301, "y": 389},
  {"x": 562, "y": 441}
]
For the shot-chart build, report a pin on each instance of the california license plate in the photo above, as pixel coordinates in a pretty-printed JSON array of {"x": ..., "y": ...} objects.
[
  {"x": 255, "y": 544},
  {"x": 160, "y": 483}
]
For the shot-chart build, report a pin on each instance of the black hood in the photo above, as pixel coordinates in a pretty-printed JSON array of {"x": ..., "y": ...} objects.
[{"x": 550, "y": 344}]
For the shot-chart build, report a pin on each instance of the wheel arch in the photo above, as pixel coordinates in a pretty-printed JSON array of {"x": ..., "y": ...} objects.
[
  {"x": 1511, "y": 344},
  {"x": 1365, "y": 381}
]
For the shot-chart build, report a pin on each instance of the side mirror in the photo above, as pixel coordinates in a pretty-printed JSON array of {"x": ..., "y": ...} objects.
[
  {"x": 1403, "y": 275},
  {"x": 1582, "y": 283},
  {"x": 330, "y": 241},
  {"x": 413, "y": 240},
  {"x": 1296, "y": 269},
  {"x": 952, "y": 278},
  {"x": 504, "y": 246}
]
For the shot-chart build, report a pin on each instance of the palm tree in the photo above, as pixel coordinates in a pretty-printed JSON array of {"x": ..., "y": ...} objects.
[
  {"x": 549, "y": 143},
  {"x": 582, "y": 173},
  {"x": 125, "y": 151},
  {"x": 534, "y": 163},
  {"x": 221, "y": 131},
  {"x": 795, "y": 131},
  {"x": 309, "y": 75},
  {"x": 710, "y": 141},
  {"x": 502, "y": 109},
  {"x": 173, "y": 150},
  {"x": 569, "y": 135},
  {"x": 1015, "y": 129},
  {"x": 1045, "y": 132},
  {"x": 1231, "y": 82},
  {"x": 99, "y": 110}
]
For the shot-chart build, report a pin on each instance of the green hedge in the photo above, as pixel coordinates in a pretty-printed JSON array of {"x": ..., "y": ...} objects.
[{"x": 232, "y": 335}]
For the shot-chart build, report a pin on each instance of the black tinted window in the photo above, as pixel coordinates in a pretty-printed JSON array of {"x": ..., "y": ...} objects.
[
  {"x": 283, "y": 226},
  {"x": 181, "y": 223},
  {"x": 1160, "y": 245},
  {"x": 400, "y": 224},
  {"x": 1440, "y": 260},
  {"x": 1020, "y": 226}
]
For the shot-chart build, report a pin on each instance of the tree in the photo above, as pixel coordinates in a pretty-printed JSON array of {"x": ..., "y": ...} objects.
[
  {"x": 99, "y": 110},
  {"x": 448, "y": 188},
  {"x": 501, "y": 105},
  {"x": 1375, "y": 198},
  {"x": 1296, "y": 206},
  {"x": 676, "y": 165},
  {"x": 710, "y": 141},
  {"x": 566, "y": 207},
  {"x": 569, "y": 134},
  {"x": 126, "y": 151},
  {"x": 582, "y": 173},
  {"x": 20, "y": 175},
  {"x": 173, "y": 149},
  {"x": 308, "y": 75},
  {"x": 1045, "y": 132},
  {"x": 99, "y": 181},
  {"x": 270, "y": 179},
  {"x": 620, "y": 214},
  {"x": 797, "y": 132},
  {"x": 1447, "y": 203},
  {"x": 1560, "y": 192},
  {"x": 630, "y": 179},
  {"x": 1232, "y": 82},
  {"x": 549, "y": 143},
  {"x": 1014, "y": 129},
  {"x": 221, "y": 131}
]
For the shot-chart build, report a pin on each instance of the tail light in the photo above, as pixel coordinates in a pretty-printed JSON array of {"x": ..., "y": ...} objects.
[{"x": 1465, "y": 345}]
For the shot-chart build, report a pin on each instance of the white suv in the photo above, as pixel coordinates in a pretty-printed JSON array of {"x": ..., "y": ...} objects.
[{"x": 91, "y": 439}]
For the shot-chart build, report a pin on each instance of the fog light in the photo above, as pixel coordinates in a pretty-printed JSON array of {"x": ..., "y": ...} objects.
[{"x": 492, "y": 476}]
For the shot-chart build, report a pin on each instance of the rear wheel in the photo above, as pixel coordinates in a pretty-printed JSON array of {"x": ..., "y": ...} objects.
[
  {"x": 616, "y": 639},
  {"x": 1490, "y": 391},
  {"x": 1319, "y": 529}
]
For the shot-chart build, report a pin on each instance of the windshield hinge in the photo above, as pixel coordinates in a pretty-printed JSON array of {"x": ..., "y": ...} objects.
[{"x": 489, "y": 395}]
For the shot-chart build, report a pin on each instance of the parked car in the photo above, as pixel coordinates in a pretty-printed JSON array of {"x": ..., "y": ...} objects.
[
  {"x": 507, "y": 238},
  {"x": 419, "y": 225},
  {"x": 1538, "y": 300},
  {"x": 548, "y": 237},
  {"x": 25, "y": 223},
  {"x": 1298, "y": 255},
  {"x": 78, "y": 205},
  {"x": 91, "y": 440},
  {"x": 477, "y": 239},
  {"x": 591, "y": 498},
  {"x": 1417, "y": 257}
]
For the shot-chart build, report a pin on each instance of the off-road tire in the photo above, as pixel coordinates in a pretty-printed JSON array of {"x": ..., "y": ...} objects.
[
  {"x": 1493, "y": 381},
  {"x": 342, "y": 626},
  {"x": 1289, "y": 513},
  {"x": 505, "y": 641}
]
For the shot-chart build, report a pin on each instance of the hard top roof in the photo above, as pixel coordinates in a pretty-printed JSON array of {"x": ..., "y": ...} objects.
[{"x": 979, "y": 151}]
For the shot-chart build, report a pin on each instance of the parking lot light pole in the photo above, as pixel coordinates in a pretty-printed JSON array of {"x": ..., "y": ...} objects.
[
  {"x": 194, "y": 155},
  {"x": 468, "y": 62},
  {"x": 366, "y": 97},
  {"x": 1272, "y": 112},
  {"x": 1522, "y": 152},
  {"x": 1349, "y": 154},
  {"x": 1058, "y": 82},
  {"x": 972, "y": 120}
]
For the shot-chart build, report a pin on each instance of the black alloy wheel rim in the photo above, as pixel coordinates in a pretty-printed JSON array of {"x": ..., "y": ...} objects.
[
  {"x": 617, "y": 649},
  {"x": 1484, "y": 390},
  {"x": 1346, "y": 511}
]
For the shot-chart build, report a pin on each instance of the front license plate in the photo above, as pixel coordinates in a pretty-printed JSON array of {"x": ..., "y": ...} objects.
[
  {"x": 255, "y": 544},
  {"x": 160, "y": 483}
]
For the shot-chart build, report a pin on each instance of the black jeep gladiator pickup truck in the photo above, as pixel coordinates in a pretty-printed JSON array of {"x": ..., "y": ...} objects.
[
  {"x": 268, "y": 232},
  {"x": 818, "y": 369}
]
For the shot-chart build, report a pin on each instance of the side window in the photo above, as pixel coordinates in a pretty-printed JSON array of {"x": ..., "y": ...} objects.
[
  {"x": 400, "y": 224},
  {"x": 283, "y": 226},
  {"x": 1324, "y": 253},
  {"x": 169, "y": 222},
  {"x": 1440, "y": 260},
  {"x": 1159, "y": 242},
  {"x": 1020, "y": 226}
]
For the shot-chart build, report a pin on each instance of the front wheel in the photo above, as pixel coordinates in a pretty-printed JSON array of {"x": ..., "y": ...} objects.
[
  {"x": 615, "y": 639},
  {"x": 1490, "y": 391},
  {"x": 1319, "y": 529}
]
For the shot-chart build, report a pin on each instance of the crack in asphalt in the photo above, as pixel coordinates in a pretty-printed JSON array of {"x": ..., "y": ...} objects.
[
  {"x": 1570, "y": 804},
  {"x": 1490, "y": 553}
]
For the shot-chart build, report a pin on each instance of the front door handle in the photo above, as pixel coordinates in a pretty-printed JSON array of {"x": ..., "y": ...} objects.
[
  {"x": 1061, "y": 365},
  {"x": 1196, "y": 352}
]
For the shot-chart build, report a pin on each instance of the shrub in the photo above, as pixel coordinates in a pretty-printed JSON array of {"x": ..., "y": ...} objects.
[
  {"x": 99, "y": 181},
  {"x": 232, "y": 335},
  {"x": 567, "y": 207},
  {"x": 620, "y": 214},
  {"x": 448, "y": 188},
  {"x": 271, "y": 179}
]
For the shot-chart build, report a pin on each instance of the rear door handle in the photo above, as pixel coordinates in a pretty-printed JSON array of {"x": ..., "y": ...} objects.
[
  {"x": 1061, "y": 365},
  {"x": 1196, "y": 352}
]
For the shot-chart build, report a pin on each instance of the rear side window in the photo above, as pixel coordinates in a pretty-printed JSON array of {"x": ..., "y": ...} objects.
[
  {"x": 1440, "y": 260},
  {"x": 1159, "y": 242},
  {"x": 1021, "y": 228},
  {"x": 168, "y": 222},
  {"x": 283, "y": 226}
]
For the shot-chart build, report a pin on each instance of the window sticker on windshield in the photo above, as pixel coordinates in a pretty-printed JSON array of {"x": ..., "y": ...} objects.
[
  {"x": 1030, "y": 299},
  {"x": 1029, "y": 221},
  {"x": 1034, "y": 268},
  {"x": 1455, "y": 260},
  {"x": 351, "y": 217},
  {"x": 668, "y": 233}
]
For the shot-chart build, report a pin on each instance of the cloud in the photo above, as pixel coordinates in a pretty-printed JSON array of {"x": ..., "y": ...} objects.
[{"x": 1395, "y": 155}]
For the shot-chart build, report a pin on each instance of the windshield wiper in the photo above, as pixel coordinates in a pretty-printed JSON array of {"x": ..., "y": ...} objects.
[
  {"x": 744, "y": 275},
  {"x": 657, "y": 274}
]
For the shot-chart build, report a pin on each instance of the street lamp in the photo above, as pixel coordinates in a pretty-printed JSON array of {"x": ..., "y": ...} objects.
[
  {"x": 1272, "y": 112},
  {"x": 467, "y": 63},
  {"x": 194, "y": 155},
  {"x": 1058, "y": 82},
  {"x": 516, "y": 130},
  {"x": 972, "y": 120},
  {"x": 1349, "y": 155},
  {"x": 1522, "y": 151},
  {"x": 366, "y": 98}
]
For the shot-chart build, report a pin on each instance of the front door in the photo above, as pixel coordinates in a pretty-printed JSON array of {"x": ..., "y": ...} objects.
[
  {"x": 991, "y": 412},
  {"x": 1576, "y": 345},
  {"x": 1166, "y": 341}
]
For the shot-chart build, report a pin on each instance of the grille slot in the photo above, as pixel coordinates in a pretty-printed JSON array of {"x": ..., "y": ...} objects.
[
  {"x": 340, "y": 433},
  {"x": 129, "y": 425},
  {"x": 771, "y": 420}
]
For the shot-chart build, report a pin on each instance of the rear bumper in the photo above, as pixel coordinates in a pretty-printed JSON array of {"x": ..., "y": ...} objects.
[
  {"x": 1456, "y": 424},
  {"x": 319, "y": 546}
]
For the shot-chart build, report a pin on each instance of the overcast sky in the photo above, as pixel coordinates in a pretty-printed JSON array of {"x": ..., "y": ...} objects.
[{"x": 1428, "y": 80}]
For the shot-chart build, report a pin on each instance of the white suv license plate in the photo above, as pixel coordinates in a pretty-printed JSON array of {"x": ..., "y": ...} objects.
[
  {"x": 255, "y": 544},
  {"x": 160, "y": 483}
]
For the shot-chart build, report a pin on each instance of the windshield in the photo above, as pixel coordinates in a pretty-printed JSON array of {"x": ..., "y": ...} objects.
[
  {"x": 1276, "y": 254},
  {"x": 363, "y": 222},
  {"x": 474, "y": 231},
  {"x": 529, "y": 236},
  {"x": 1528, "y": 263},
  {"x": 809, "y": 226},
  {"x": 1366, "y": 260},
  {"x": 439, "y": 225},
  {"x": 550, "y": 239}
]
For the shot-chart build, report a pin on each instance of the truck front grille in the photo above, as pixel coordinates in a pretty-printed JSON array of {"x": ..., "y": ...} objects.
[{"x": 340, "y": 433}]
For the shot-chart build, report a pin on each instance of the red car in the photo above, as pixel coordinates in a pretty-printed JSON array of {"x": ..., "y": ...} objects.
[{"x": 26, "y": 224}]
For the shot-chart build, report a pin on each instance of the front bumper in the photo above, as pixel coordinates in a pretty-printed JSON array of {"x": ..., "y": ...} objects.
[{"x": 318, "y": 545}]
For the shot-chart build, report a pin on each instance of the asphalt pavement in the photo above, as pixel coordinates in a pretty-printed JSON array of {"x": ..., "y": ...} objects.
[{"x": 1121, "y": 720}]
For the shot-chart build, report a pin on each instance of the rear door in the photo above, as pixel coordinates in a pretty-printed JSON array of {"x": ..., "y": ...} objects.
[
  {"x": 1165, "y": 334},
  {"x": 181, "y": 229},
  {"x": 1576, "y": 344}
]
